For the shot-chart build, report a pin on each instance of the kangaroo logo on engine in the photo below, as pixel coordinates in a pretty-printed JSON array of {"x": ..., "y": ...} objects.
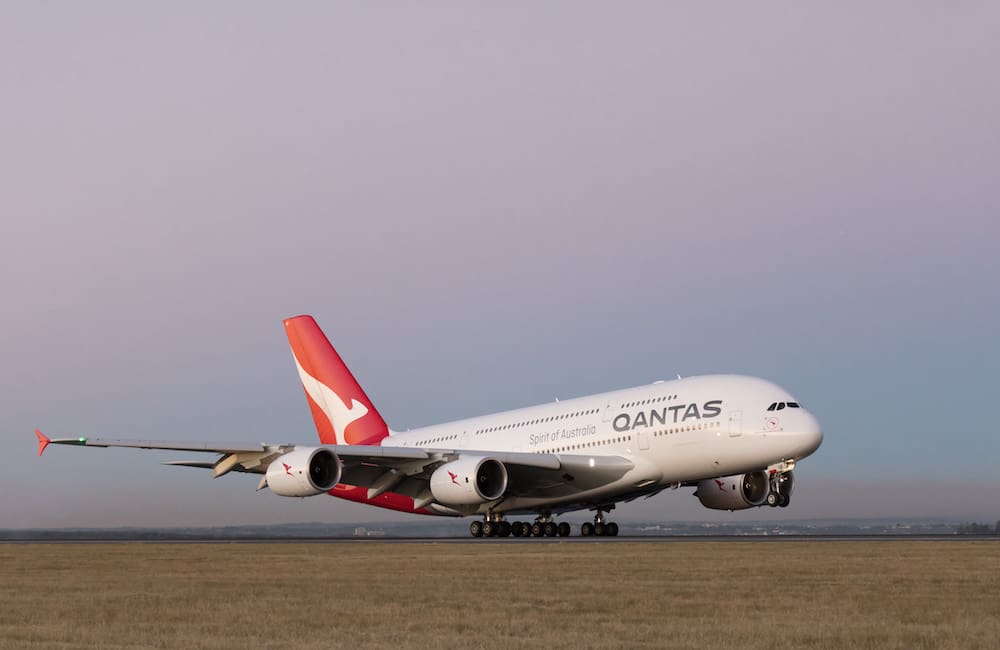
[{"x": 668, "y": 415}]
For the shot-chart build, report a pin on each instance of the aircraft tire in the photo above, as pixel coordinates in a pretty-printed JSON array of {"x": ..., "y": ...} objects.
[
  {"x": 600, "y": 529},
  {"x": 611, "y": 529},
  {"x": 537, "y": 530},
  {"x": 564, "y": 529},
  {"x": 587, "y": 529},
  {"x": 476, "y": 529}
]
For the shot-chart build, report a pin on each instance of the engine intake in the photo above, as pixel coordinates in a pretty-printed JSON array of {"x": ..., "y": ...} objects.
[
  {"x": 736, "y": 492},
  {"x": 470, "y": 480},
  {"x": 304, "y": 472}
]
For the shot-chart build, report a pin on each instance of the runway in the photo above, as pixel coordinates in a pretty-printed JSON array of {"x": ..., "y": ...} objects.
[{"x": 643, "y": 539}]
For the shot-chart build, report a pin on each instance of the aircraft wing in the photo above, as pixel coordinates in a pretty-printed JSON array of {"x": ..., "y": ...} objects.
[
  {"x": 173, "y": 445},
  {"x": 404, "y": 470}
]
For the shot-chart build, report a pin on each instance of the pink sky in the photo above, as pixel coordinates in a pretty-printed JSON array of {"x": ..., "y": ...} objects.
[{"x": 487, "y": 208}]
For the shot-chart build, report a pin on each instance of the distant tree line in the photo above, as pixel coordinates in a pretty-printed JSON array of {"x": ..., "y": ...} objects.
[{"x": 978, "y": 529}]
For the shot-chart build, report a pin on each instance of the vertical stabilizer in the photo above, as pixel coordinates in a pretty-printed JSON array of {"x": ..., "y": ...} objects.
[{"x": 340, "y": 408}]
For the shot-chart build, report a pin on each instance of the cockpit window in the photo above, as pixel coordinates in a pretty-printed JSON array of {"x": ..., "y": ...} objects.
[
  {"x": 793, "y": 405},
  {"x": 781, "y": 405},
  {"x": 773, "y": 406}
]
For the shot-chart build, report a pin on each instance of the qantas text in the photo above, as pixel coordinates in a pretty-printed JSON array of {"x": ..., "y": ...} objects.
[{"x": 667, "y": 415}]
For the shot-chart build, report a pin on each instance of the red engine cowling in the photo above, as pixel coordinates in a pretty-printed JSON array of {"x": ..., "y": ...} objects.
[
  {"x": 304, "y": 472},
  {"x": 734, "y": 492}
]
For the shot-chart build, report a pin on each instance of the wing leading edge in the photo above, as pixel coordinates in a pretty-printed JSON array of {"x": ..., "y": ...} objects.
[{"x": 404, "y": 470}]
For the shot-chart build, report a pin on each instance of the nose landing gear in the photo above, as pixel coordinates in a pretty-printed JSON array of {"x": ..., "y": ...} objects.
[{"x": 780, "y": 494}]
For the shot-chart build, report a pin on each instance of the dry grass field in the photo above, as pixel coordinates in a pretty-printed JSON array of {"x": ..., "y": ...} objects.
[{"x": 771, "y": 595}]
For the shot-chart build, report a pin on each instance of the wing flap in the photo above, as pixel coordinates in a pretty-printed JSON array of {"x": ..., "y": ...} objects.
[{"x": 574, "y": 474}]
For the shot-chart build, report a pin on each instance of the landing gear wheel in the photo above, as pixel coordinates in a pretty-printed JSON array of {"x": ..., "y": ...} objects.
[
  {"x": 564, "y": 529},
  {"x": 600, "y": 527},
  {"x": 551, "y": 529},
  {"x": 489, "y": 529},
  {"x": 515, "y": 529},
  {"x": 784, "y": 501},
  {"x": 587, "y": 529},
  {"x": 537, "y": 529},
  {"x": 476, "y": 529},
  {"x": 772, "y": 499},
  {"x": 525, "y": 529},
  {"x": 505, "y": 529}
]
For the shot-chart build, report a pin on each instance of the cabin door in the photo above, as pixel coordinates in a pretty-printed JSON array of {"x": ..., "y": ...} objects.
[{"x": 735, "y": 423}]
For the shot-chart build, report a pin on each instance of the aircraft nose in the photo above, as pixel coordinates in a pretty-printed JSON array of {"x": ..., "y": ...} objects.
[{"x": 812, "y": 434}]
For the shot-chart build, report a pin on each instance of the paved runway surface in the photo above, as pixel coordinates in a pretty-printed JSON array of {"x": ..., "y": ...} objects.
[{"x": 527, "y": 540}]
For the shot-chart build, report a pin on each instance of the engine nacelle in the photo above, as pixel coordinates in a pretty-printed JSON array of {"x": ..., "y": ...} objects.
[
  {"x": 304, "y": 472},
  {"x": 734, "y": 492},
  {"x": 470, "y": 480}
]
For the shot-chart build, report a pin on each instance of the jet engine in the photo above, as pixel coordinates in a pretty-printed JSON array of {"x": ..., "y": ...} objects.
[
  {"x": 470, "y": 480},
  {"x": 734, "y": 492},
  {"x": 304, "y": 472}
]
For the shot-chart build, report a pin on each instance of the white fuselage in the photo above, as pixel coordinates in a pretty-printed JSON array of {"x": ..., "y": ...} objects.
[{"x": 673, "y": 432}]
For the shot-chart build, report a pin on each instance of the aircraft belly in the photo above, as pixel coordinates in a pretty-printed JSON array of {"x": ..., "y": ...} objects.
[
  {"x": 701, "y": 457},
  {"x": 559, "y": 496}
]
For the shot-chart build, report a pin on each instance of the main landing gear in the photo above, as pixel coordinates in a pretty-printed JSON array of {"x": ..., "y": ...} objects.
[
  {"x": 543, "y": 526},
  {"x": 600, "y": 528},
  {"x": 493, "y": 525},
  {"x": 490, "y": 528}
]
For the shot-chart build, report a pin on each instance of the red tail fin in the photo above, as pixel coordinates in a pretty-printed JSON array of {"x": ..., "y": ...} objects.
[{"x": 340, "y": 408}]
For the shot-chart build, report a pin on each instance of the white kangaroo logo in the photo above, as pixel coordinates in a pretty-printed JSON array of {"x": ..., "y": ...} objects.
[{"x": 331, "y": 403}]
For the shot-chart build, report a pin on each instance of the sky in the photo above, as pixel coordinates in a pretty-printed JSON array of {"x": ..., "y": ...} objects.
[{"x": 488, "y": 207}]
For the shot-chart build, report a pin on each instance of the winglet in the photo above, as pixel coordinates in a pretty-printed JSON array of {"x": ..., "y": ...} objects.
[{"x": 43, "y": 441}]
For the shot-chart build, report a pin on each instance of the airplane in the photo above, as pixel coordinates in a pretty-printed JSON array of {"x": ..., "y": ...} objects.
[{"x": 736, "y": 439}]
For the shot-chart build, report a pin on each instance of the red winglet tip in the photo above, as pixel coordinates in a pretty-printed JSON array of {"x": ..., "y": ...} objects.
[{"x": 43, "y": 441}]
